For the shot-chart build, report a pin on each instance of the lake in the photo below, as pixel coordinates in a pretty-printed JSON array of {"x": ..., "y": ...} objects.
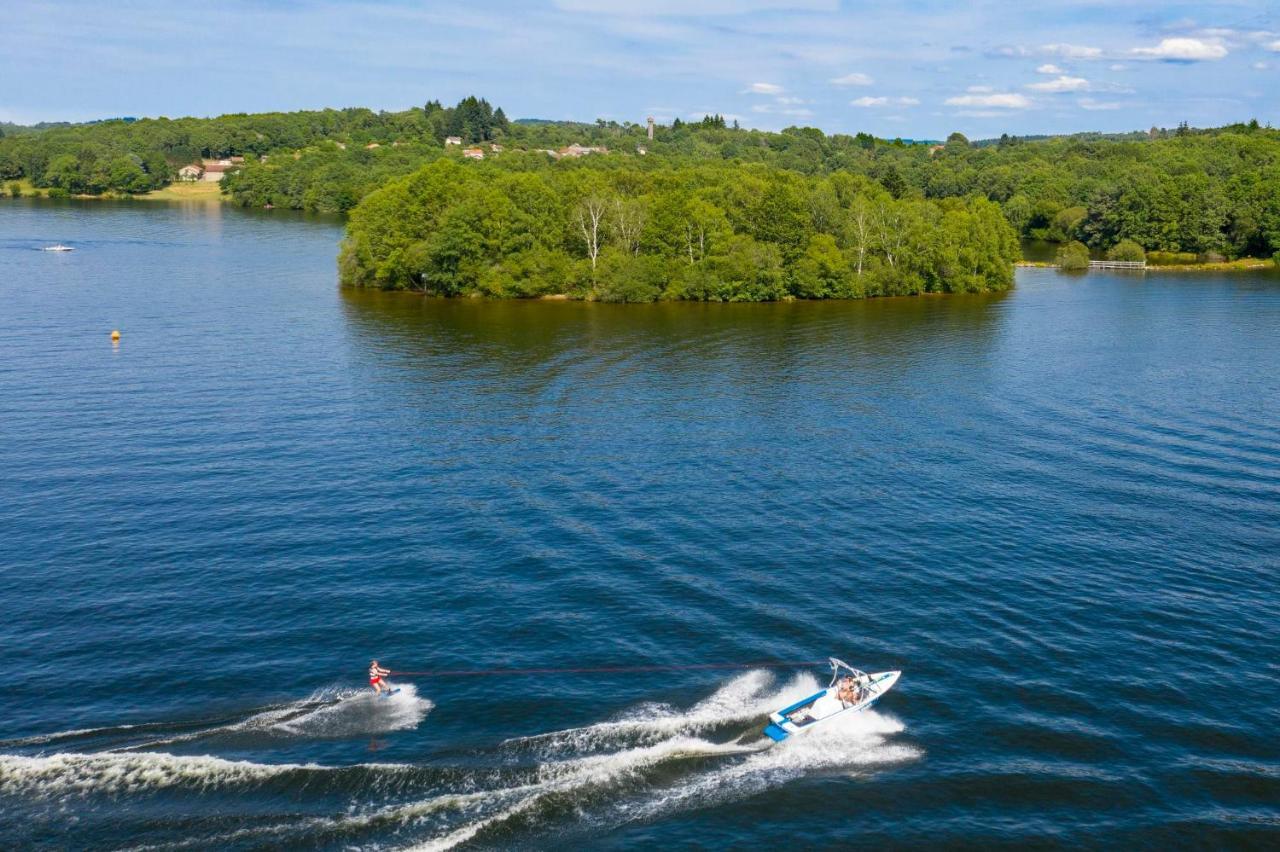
[{"x": 1056, "y": 510}]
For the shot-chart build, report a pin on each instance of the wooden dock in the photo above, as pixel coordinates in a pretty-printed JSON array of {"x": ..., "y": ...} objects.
[{"x": 1117, "y": 264}]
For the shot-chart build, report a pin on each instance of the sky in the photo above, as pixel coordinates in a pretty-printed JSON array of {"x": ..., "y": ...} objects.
[{"x": 913, "y": 69}]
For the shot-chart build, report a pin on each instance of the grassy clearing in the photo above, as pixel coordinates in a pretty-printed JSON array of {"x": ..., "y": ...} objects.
[
  {"x": 178, "y": 191},
  {"x": 1242, "y": 263},
  {"x": 27, "y": 188},
  {"x": 186, "y": 191}
]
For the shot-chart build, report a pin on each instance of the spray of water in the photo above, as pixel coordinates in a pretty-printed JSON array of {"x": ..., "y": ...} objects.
[{"x": 647, "y": 762}]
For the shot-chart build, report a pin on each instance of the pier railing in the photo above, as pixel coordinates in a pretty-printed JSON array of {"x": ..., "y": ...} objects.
[{"x": 1117, "y": 264}]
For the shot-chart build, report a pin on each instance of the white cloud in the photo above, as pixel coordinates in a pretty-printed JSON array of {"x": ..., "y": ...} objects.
[
  {"x": 1061, "y": 84},
  {"x": 1072, "y": 51},
  {"x": 1182, "y": 50},
  {"x": 883, "y": 100},
  {"x": 1011, "y": 51},
  {"x": 854, "y": 79},
  {"x": 978, "y": 90},
  {"x": 790, "y": 100},
  {"x": 694, "y": 8},
  {"x": 1260, "y": 66},
  {"x": 770, "y": 109},
  {"x": 1119, "y": 66},
  {"x": 1273, "y": 45},
  {"x": 1091, "y": 104},
  {"x": 764, "y": 89},
  {"x": 998, "y": 100},
  {"x": 1049, "y": 68}
]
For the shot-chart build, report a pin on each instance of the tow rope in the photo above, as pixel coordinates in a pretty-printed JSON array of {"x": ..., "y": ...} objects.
[{"x": 763, "y": 664}]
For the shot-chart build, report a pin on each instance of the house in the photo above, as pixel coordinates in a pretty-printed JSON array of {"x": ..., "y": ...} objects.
[
  {"x": 213, "y": 172},
  {"x": 237, "y": 160},
  {"x": 934, "y": 149},
  {"x": 191, "y": 172},
  {"x": 576, "y": 150},
  {"x": 473, "y": 153},
  {"x": 495, "y": 147},
  {"x": 453, "y": 140},
  {"x": 371, "y": 146}
]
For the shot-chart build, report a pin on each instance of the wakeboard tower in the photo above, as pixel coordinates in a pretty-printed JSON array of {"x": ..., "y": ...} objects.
[{"x": 850, "y": 691}]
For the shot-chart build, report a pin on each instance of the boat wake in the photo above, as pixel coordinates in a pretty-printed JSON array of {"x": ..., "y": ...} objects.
[
  {"x": 327, "y": 713},
  {"x": 650, "y": 761}
]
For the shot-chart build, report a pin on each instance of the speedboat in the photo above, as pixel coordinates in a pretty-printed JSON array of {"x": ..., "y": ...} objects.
[
  {"x": 58, "y": 247},
  {"x": 850, "y": 691}
]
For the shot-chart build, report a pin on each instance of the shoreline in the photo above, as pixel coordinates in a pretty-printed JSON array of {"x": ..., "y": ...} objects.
[
  {"x": 1243, "y": 264},
  {"x": 187, "y": 191},
  {"x": 200, "y": 192}
]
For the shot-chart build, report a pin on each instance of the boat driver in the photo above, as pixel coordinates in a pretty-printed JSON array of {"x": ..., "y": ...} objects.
[{"x": 848, "y": 691}]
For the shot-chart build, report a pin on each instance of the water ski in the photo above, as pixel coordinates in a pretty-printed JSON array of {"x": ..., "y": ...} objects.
[{"x": 390, "y": 692}]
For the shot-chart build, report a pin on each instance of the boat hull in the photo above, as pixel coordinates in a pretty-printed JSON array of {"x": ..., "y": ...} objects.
[{"x": 823, "y": 706}]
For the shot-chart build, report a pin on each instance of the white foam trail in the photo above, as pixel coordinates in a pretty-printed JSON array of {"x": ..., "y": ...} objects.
[
  {"x": 605, "y": 771},
  {"x": 342, "y": 713},
  {"x": 579, "y": 774},
  {"x": 41, "y": 739},
  {"x": 848, "y": 742},
  {"x": 362, "y": 713},
  {"x": 70, "y": 773},
  {"x": 853, "y": 741},
  {"x": 743, "y": 699}
]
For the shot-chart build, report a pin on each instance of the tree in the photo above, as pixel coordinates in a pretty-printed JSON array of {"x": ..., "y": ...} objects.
[
  {"x": 1127, "y": 250},
  {"x": 588, "y": 218},
  {"x": 822, "y": 271},
  {"x": 858, "y": 231},
  {"x": 628, "y": 223},
  {"x": 893, "y": 181},
  {"x": 1073, "y": 256}
]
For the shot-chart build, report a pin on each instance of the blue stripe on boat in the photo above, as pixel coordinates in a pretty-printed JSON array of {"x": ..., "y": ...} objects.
[
  {"x": 775, "y": 733},
  {"x": 799, "y": 704}
]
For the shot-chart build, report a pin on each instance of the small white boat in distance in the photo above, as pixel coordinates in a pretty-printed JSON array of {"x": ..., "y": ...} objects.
[
  {"x": 58, "y": 247},
  {"x": 850, "y": 691}
]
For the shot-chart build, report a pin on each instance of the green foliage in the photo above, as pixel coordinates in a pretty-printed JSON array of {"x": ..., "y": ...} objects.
[
  {"x": 1073, "y": 256},
  {"x": 15, "y": 190},
  {"x": 1063, "y": 227},
  {"x": 1126, "y": 250},
  {"x": 597, "y": 229},
  {"x": 1189, "y": 190},
  {"x": 1172, "y": 258}
]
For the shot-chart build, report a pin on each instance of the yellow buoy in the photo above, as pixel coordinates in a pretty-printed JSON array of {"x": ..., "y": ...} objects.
[{"x": 115, "y": 334}]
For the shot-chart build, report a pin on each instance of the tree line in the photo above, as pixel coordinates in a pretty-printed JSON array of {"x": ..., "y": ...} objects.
[
  {"x": 1203, "y": 192},
  {"x": 712, "y": 232}
]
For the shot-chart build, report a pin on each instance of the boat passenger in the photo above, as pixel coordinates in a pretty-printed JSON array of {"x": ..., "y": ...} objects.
[{"x": 848, "y": 691}]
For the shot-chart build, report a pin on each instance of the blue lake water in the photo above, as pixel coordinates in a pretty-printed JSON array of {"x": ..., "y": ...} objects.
[{"x": 1057, "y": 510}]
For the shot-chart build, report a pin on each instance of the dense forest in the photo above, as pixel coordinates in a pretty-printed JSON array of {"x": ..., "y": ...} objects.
[
  {"x": 714, "y": 232},
  {"x": 1201, "y": 193}
]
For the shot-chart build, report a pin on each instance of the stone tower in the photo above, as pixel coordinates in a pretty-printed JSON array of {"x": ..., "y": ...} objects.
[{"x": 650, "y": 127}]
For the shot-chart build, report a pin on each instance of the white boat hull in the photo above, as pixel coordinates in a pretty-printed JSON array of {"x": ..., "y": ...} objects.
[{"x": 822, "y": 706}]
